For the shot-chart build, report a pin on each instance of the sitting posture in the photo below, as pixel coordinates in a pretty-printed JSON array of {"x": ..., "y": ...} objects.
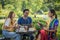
[
  {"x": 53, "y": 25},
  {"x": 50, "y": 33},
  {"x": 26, "y": 22},
  {"x": 9, "y": 27},
  {"x": 42, "y": 32}
]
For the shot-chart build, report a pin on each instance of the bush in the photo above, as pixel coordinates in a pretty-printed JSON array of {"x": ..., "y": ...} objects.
[
  {"x": 35, "y": 21},
  {"x": 2, "y": 17},
  {"x": 58, "y": 13},
  {"x": 1, "y": 28}
]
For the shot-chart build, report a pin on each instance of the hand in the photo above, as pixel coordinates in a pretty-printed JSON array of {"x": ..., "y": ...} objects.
[
  {"x": 17, "y": 26},
  {"x": 26, "y": 27},
  {"x": 38, "y": 24},
  {"x": 45, "y": 28}
]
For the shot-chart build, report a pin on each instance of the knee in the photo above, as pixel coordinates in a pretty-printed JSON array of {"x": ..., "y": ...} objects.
[{"x": 17, "y": 35}]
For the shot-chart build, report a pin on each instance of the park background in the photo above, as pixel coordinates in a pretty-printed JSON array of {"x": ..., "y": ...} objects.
[{"x": 38, "y": 10}]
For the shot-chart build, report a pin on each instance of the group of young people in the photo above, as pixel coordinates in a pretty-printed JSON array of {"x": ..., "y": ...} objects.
[{"x": 45, "y": 34}]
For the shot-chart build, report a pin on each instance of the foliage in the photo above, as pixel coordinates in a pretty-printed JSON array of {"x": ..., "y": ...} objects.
[
  {"x": 1, "y": 28},
  {"x": 35, "y": 23},
  {"x": 34, "y": 6}
]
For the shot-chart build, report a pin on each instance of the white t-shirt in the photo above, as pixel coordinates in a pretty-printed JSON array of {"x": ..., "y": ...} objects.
[{"x": 7, "y": 22}]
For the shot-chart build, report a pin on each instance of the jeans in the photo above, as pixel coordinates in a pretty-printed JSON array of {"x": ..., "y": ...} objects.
[{"x": 13, "y": 35}]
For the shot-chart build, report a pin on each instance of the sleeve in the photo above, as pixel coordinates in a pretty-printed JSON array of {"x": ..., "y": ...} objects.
[
  {"x": 7, "y": 22},
  {"x": 56, "y": 23},
  {"x": 30, "y": 20},
  {"x": 19, "y": 21}
]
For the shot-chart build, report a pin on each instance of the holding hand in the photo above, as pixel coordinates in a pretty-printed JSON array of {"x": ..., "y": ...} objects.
[
  {"x": 38, "y": 23},
  {"x": 26, "y": 27}
]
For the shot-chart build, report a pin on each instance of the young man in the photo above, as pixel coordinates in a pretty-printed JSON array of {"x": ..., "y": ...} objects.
[{"x": 26, "y": 20}]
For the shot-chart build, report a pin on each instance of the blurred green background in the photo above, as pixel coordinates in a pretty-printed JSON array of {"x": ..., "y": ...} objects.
[{"x": 38, "y": 9}]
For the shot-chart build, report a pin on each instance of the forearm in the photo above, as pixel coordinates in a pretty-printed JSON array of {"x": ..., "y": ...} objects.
[
  {"x": 31, "y": 25},
  {"x": 6, "y": 27},
  {"x": 52, "y": 30}
]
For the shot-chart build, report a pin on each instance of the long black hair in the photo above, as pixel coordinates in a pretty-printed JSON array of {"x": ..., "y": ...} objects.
[{"x": 53, "y": 12}]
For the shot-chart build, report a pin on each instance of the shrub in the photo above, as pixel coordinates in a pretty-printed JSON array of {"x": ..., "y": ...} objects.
[
  {"x": 35, "y": 21},
  {"x": 2, "y": 17},
  {"x": 1, "y": 28}
]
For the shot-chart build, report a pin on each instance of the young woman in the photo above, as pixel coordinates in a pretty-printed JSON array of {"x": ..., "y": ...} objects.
[
  {"x": 9, "y": 27},
  {"x": 42, "y": 32},
  {"x": 53, "y": 25}
]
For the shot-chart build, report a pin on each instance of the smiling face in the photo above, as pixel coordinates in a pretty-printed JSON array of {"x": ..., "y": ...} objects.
[
  {"x": 13, "y": 15},
  {"x": 26, "y": 13},
  {"x": 50, "y": 14}
]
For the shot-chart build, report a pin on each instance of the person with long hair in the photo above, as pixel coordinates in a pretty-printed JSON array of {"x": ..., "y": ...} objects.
[
  {"x": 50, "y": 32},
  {"x": 42, "y": 32},
  {"x": 9, "y": 27},
  {"x": 53, "y": 25}
]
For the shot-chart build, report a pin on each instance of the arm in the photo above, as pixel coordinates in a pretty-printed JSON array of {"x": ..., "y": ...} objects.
[
  {"x": 31, "y": 22},
  {"x": 7, "y": 23},
  {"x": 54, "y": 29},
  {"x": 55, "y": 25},
  {"x": 51, "y": 30},
  {"x": 19, "y": 22}
]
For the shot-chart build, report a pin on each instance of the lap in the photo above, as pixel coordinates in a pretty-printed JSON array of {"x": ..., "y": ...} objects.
[
  {"x": 43, "y": 32},
  {"x": 9, "y": 34},
  {"x": 52, "y": 35}
]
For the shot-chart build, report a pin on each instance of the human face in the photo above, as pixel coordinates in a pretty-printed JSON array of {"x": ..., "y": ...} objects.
[
  {"x": 26, "y": 13},
  {"x": 50, "y": 14},
  {"x": 13, "y": 15}
]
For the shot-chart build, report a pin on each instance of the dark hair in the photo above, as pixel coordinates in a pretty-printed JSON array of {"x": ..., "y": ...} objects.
[
  {"x": 25, "y": 10},
  {"x": 10, "y": 14},
  {"x": 53, "y": 12}
]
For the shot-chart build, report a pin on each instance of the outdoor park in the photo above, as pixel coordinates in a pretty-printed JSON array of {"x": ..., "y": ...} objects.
[{"x": 38, "y": 10}]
